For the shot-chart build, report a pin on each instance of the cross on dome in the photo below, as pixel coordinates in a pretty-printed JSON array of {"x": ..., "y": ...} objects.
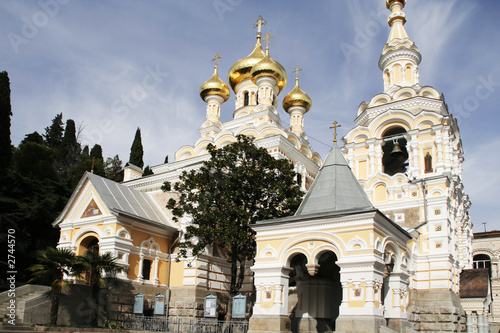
[
  {"x": 335, "y": 126},
  {"x": 296, "y": 72},
  {"x": 216, "y": 59},
  {"x": 259, "y": 24},
  {"x": 268, "y": 36}
]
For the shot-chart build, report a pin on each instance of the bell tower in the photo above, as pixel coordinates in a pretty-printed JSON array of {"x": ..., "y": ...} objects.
[{"x": 406, "y": 151}]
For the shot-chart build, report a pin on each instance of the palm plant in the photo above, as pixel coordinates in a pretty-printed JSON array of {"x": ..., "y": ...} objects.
[
  {"x": 98, "y": 265},
  {"x": 52, "y": 266}
]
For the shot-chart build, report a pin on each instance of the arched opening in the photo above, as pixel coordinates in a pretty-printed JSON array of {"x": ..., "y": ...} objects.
[
  {"x": 481, "y": 261},
  {"x": 246, "y": 99},
  {"x": 88, "y": 244},
  {"x": 395, "y": 155},
  {"x": 315, "y": 293}
]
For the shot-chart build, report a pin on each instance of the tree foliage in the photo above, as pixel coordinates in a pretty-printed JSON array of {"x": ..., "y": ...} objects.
[
  {"x": 97, "y": 265},
  {"x": 136, "y": 151},
  {"x": 113, "y": 168},
  {"x": 240, "y": 185},
  {"x": 5, "y": 114},
  {"x": 51, "y": 267},
  {"x": 54, "y": 133}
]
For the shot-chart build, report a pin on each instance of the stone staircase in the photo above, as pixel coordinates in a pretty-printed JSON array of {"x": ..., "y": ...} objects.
[{"x": 32, "y": 306}]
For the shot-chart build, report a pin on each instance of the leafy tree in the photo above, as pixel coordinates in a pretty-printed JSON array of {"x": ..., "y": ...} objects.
[
  {"x": 240, "y": 185},
  {"x": 51, "y": 266},
  {"x": 54, "y": 134},
  {"x": 33, "y": 137},
  {"x": 136, "y": 151},
  {"x": 113, "y": 168},
  {"x": 147, "y": 171},
  {"x": 97, "y": 264},
  {"x": 5, "y": 114}
]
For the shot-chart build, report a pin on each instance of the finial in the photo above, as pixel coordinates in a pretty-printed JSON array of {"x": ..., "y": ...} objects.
[
  {"x": 216, "y": 59},
  {"x": 259, "y": 24},
  {"x": 296, "y": 72},
  {"x": 335, "y": 126},
  {"x": 92, "y": 167},
  {"x": 268, "y": 36}
]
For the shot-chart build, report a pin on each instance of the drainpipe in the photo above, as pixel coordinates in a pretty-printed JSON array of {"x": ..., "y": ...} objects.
[{"x": 168, "y": 273}]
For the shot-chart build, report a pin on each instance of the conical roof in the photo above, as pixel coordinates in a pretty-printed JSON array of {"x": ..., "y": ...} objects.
[{"x": 335, "y": 189}]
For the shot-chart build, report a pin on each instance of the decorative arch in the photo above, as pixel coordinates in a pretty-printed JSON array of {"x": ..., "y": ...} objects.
[
  {"x": 356, "y": 244},
  {"x": 108, "y": 232},
  {"x": 124, "y": 233},
  {"x": 84, "y": 233},
  {"x": 335, "y": 244}
]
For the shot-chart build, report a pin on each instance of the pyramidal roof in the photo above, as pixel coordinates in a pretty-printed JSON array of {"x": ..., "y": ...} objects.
[{"x": 335, "y": 189}]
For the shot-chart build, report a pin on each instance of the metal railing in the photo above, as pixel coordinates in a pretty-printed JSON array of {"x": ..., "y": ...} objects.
[{"x": 184, "y": 325}]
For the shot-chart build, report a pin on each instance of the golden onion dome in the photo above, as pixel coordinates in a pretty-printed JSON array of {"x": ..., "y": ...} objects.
[
  {"x": 268, "y": 67},
  {"x": 240, "y": 71},
  {"x": 214, "y": 86},
  {"x": 297, "y": 97}
]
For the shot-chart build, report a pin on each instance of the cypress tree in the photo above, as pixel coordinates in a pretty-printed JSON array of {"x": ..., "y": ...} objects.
[
  {"x": 97, "y": 160},
  {"x": 147, "y": 171},
  {"x": 136, "y": 151},
  {"x": 54, "y": 133},
  {"x": 5, "y": 114}
]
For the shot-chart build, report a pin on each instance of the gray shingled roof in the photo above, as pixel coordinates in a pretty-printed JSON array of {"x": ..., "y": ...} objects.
[{"x": 335, "y": 189}]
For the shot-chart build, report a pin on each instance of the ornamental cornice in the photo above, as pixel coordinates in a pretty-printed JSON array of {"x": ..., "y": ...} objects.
[
  {"x": 313, "y": 224},
  {"x": 399, "y": 54},
  {"x": 398, "y": 105}
]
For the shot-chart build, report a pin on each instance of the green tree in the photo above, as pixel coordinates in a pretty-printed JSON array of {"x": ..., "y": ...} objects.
[
  {"x": 147, "y": 171},
  {"x": 33, "y": 137},
  {"x": 5, "y": 114},
  {"x": 54, "y": 133},
  {"x": 113, "y": 168},
  {"x": 51, "y": 267},
  {"x": 166, "y": 159},
  {"x": 97, "y": 160},
  {"x": 136, "y": 151},
  {"x": 240, "y": 185},
  {"x": 97, "y": 264}
]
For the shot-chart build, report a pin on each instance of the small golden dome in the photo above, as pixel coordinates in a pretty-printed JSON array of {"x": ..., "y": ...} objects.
[
  {"x": 214, "y": 86},
  {"x": 240, "y": 71},
  {"x": 388, "y": 3},
  {"x": 268, "y": 67},
  {"x": 297, "y": 97}
]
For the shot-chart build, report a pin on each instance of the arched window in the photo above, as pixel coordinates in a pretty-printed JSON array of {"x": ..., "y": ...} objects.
[
  {"x": 481, "y": 261},
  {"x": 245, "y": 98},
  {"x": 395, "y": 155}
]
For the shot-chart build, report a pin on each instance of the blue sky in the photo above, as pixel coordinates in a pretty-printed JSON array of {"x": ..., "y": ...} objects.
[{"x": 113, "y": 66}]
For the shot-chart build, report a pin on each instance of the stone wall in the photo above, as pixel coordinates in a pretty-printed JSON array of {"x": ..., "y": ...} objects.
[{"x": 436, "y": 311}]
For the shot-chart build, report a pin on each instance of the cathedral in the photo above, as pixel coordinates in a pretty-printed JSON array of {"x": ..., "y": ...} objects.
[{"x": 378, "y": 243}]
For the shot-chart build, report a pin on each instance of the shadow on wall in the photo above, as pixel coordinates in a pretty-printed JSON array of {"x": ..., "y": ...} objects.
[{"x": 116, "y": 303}]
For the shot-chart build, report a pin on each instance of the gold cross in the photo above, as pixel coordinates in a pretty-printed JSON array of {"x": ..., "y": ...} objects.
[
  {"x": 216, "y": 59},
  {"x": 296, "y": 71},
  {"x": 259, "y": 24},
  {"x": 335, "y": 126},
  {"x": 268, "y": 36}
]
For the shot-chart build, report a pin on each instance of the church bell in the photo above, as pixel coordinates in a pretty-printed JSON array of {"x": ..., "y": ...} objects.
[{"x": 396, "y": 149}]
